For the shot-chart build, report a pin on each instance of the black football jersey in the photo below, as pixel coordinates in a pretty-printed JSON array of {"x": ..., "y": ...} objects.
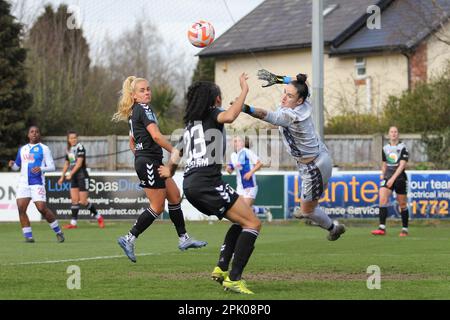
[
  {"x": 392, "y": 155},
  {"x": 141, "y": 116},
  {"x": 75, "y": 152},
  {"x": 203, "y": 146}
]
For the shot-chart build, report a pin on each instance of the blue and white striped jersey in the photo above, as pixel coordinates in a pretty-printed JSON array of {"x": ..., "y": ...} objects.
[
  {"x": 30, "y": 156},
  {"x": 244, "y": 161}
]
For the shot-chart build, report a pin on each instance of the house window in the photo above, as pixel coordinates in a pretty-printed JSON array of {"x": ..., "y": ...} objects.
[{"x": 360, "y": 66}]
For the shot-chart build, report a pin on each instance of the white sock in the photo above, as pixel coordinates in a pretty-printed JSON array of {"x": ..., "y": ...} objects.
[
  {"x": 27, "y": 233},
  {"x": 130, "y": 237},
  {"x": 73, "y": 222},
  {"x": 382, "y": 226},
  {"x": 321, "y": 218},
  {"x": 55, "y": 226}
]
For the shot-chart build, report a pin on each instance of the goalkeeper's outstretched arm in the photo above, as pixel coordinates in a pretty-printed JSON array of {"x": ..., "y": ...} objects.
[
  {"x": 257, "y": 113},
  {"x": 281, "y": 117}
]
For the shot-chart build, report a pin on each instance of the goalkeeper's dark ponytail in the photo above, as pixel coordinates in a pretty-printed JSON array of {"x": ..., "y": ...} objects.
[
  {"x": 301, "y": 86},
  {"x": 301, "y": 78}
]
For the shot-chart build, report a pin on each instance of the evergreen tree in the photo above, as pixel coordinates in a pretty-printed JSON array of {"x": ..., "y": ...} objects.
[
  {"x": 14, "y": 98},
  {"x": 205, "y": 70}
]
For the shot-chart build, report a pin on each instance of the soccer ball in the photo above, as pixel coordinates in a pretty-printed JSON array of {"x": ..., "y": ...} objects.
[{"x": 201, "y": 34}]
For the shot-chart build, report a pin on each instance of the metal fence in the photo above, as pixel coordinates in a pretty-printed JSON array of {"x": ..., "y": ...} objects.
[{"x": 112, "y": 153}]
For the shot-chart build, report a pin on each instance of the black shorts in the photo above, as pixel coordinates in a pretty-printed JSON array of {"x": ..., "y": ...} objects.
[
  {"x": 147, "y": 171},
  {"x": 215, "y": 199},
  {"x": 400, "y": 185},
  {"x": 80, "y": 180}
]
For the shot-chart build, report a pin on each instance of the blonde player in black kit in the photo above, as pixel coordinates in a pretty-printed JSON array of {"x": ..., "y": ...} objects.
[
  {"x": 204, "y": 146},
  {"x": 146, "y": 142},
  {"x": 394, "y": 156}
]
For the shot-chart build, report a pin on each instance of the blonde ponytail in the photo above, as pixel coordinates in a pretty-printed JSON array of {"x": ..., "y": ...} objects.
[{"x": 126, "y": 100}]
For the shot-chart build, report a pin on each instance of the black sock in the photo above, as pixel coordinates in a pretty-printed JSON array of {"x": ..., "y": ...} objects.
[
  {"x": 383, "y": 215},
  {"x": 405, "y": 217},
  {"x": 227, "y": 249},
  {"x": 75, "y": 208},
  {"x": 144, "y": 221},
  {"x": 244, "y": 248},
  {"x": 176, "y": 215},
  {"x": 92, "y": 209}
]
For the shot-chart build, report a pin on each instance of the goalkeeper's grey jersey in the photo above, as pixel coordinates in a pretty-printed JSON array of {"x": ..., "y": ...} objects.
[{"x": 297, "y": 129}]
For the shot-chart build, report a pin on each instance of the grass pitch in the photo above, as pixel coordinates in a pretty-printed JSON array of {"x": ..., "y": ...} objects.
[{"x": 291, "y": 261}]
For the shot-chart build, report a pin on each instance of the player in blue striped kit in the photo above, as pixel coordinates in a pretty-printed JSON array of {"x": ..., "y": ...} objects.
[
  {"x": 33, "y": 160},
  {"x": 246, "y": 163}
]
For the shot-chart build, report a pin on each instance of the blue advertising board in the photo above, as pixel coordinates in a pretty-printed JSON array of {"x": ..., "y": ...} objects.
[
  {"x": 429, "y": 195},
  {"x": 356, "y": 195}
]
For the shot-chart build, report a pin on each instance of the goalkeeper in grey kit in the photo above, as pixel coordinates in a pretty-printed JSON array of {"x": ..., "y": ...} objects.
[{"x": 296, "y": 126}]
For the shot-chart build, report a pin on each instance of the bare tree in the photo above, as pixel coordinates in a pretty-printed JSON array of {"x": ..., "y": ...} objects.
[
  {"x": 59, "y": 64},
  {"x": 26, "y": 11},
  {"x": 141, "y": 52}
]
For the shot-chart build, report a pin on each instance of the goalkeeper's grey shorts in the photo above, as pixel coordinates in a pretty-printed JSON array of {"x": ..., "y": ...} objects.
[{"x": 314, "y": 176}]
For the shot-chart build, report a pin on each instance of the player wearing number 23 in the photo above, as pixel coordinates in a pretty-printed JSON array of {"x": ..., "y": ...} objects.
[{"x": 204, "y": 147}]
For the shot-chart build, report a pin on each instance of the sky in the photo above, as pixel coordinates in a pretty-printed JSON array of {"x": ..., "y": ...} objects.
[{"x": 110, "y": 18}]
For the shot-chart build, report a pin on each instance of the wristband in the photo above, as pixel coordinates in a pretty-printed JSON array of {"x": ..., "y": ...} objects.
[
  {"x": 248, "y": 109},
  {"x": 287, "y": 80}
]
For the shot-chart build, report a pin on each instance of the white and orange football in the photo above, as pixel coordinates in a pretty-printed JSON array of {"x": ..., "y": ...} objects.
[{"x": 201, "y": 34}]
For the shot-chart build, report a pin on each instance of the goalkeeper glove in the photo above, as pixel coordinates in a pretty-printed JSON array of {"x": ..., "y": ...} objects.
[{"x": 271, "y": 78}]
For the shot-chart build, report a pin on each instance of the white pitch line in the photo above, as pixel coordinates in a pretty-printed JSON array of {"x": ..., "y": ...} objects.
[{"x": 75, "y": 260}]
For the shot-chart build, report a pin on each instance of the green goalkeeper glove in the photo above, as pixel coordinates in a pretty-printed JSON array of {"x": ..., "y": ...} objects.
[{"x": 271, "y": 78}]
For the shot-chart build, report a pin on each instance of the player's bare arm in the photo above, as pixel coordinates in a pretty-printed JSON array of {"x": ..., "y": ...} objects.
[
  {"x": 132, "y": 145},
  {"x": 401, "y": 167},
  {"x": 77, "y": 166},
  {"x": 169, "y": 169},
  {"x": 157, "y": 136},
  {"x": 63, "y": 173},
  {"x": 235, "y": 109},
  {"x": 257, "y": 113},
  {"x": 383, "y": 169}
]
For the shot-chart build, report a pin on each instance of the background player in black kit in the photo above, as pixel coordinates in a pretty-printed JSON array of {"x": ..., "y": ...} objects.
[
  {"x": 79, "y": 180},
  {"x": 204, "y": 143},
  {"x": 146, "y": 142},
  {"x": 395, "y": 157}
]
